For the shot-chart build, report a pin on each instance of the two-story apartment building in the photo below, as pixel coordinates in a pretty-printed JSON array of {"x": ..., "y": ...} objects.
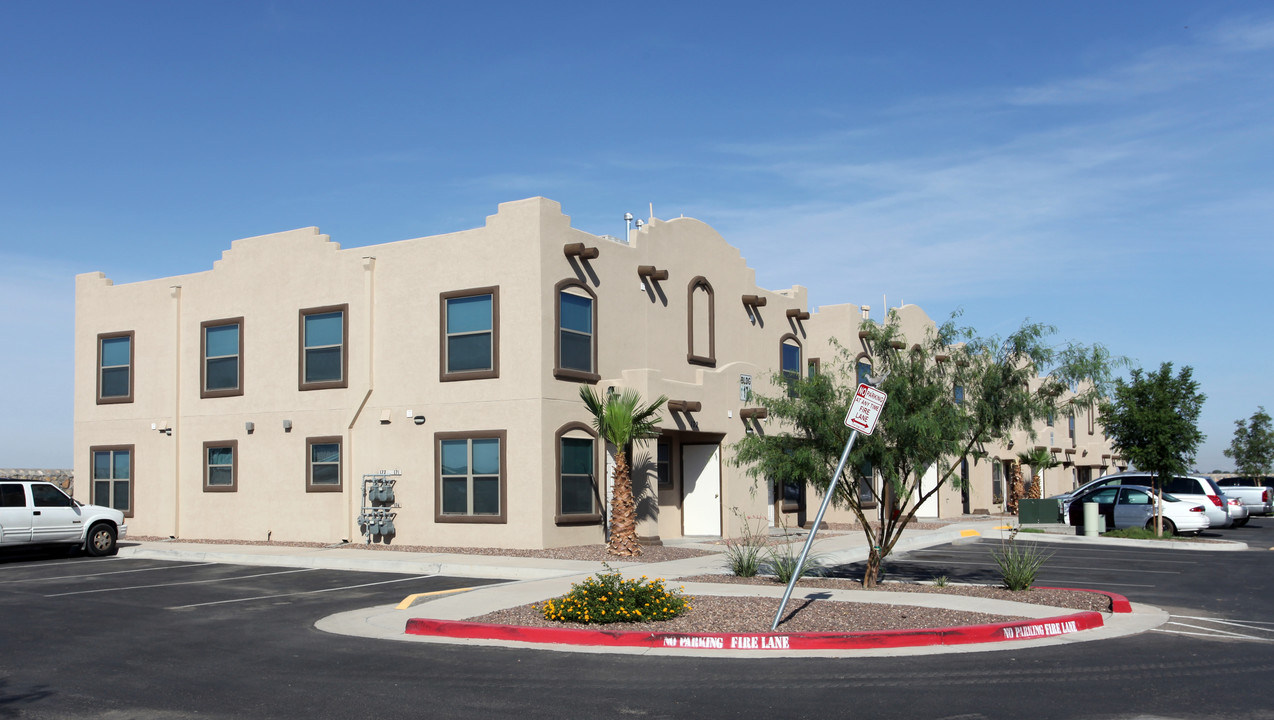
[{"x": 264, "y": 397}]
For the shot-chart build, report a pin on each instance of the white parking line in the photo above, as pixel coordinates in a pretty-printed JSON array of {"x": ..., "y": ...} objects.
[
  {"x": 1069, "y": 552},
  {"x": 1212, "y": 632},
  {"x": 1050, "y": 567},
  {"x": 1241, "y": 623},
  {"x": 113, "y": 572},
  {"x": 299, "y": 592},
  {"x": 188, "y": 582}
]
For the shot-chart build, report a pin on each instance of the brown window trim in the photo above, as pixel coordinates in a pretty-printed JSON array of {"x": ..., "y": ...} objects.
[
  {"x": 800, "y": 363},
  {"x": 818, "y": 366},
  {"x": 132, "y": 473},
  {"x": 234, "y": 466},
  {"x": 494, "y": 372},
  {"x": 310, "y": 487},
  {"x": 204, "y": 392},
  {"x": 300, "y": 344},
  {"x": 132, "y": 365},
  {"x": 576, "y": 519},
  {"x": 709, "y": 360},
  {"x": 499, "y": 519},
  {"x": 560, "y": 372}
]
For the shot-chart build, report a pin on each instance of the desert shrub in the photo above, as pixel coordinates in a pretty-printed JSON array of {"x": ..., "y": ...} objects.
[
  {"x": 1019, "y": 564},
  {"x": 743, "y": 554},
  {"x": 782, "y": 561},
  {"x": 608, "y": 598}
]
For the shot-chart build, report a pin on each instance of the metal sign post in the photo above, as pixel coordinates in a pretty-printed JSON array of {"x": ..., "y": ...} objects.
[{"x": 862, "y": 416}]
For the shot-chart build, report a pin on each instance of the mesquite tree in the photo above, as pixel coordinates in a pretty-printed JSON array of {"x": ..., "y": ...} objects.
[{"x": 950, "y": 393}]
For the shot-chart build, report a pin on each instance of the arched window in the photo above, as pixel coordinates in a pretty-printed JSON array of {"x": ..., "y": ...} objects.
[
  {"x": 575, "y": 344},
  {"x": 578, "y": 491},
  {"x": 862, "y": 368},
  {"x": 701, "y": 323},
  {"x": 790, "y": 361}
]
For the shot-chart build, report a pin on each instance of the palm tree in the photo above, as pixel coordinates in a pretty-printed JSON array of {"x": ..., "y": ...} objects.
[
  {"x": 622, "y": 420},
  {"x": 1040, "y": 459}
]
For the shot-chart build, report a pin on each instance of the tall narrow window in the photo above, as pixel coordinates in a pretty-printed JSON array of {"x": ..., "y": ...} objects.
[
  {"x": 115, "y": 368},
  {"x": 113, "y": 477},
  {"x": 1070, "y": 425},
  {"x": 324, "y": 348},
  {"x": 663, "y": 463},
  {"x": 862, "y": 370},
  {"x": 997, "y": 482},
  {"x": 866, "y": 497},
  {"x": 812, "y": 367},
  {"x": 323, "y": 464},
  {"x": 1091, "y": 412},
  {"x": 221, "y": 343},
  {"x": 471, "y": 334},
  {"x": 578, "y": 494},
  {"x": 959, "y": 394},
  {"x": 701, "y": 326},
  {"x": 471, "y": 484},
  {"x": 790, "y": 362},
  {"x": 576, "y": 332},
  {"x": 221, "y": 466}
]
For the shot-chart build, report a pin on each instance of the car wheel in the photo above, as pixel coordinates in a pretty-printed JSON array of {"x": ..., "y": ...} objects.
[
  {"x": 101, "y": 540},
  {"x": 1169, "y": 528}
]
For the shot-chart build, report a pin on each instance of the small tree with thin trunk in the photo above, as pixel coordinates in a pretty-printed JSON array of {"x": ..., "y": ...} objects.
[
  {"x": 1153, "y": 420},
  {"x": 950, "y": 394},
  {"x": 1252, "y": 448},
  {"x": 622, "y": 420}
]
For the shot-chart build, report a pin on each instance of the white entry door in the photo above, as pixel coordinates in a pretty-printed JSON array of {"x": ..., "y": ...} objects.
[
  {"x": 928, "y": 479},
  {"x": 701, "y": 489}
]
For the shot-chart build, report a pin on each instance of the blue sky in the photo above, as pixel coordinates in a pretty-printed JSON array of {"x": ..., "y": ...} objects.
[{"x": 1103, "y": 167}]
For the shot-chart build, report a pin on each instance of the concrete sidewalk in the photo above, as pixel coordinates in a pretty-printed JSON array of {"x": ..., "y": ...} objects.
[{"x": 538, "y": 579}]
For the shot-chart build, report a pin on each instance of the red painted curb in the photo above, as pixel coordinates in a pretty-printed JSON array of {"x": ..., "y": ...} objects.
[
  {"x": 999, "y": 632},
  {"x": 1118, "y": 603}
]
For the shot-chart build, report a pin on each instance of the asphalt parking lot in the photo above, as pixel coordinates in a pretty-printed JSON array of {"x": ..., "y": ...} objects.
[{"x": 131, "y": 586}]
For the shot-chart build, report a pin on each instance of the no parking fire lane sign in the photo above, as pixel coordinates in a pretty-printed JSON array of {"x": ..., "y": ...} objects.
[{"x": 865, "y": 410}]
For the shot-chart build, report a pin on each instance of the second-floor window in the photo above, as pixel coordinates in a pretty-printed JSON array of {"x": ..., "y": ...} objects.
[
  {"x": 115, "y": 368},
  {"x": 790, "y": 362},
  {"x": 576, "y": 333},
  {"x": 222, "y": 348},
  {"x": 470, "y": 334},
  {"x": 324, "y": 348}
]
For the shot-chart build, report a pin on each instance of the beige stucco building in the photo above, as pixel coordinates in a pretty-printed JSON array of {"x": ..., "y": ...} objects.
[{"x": 272, "y": 396}]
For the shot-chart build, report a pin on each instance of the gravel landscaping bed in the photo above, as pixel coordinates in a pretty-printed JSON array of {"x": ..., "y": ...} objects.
[
  {"x": 716, "y": 614},
  {"x": 1071, "y": 599},
  {"x": 719, "y": 614}
]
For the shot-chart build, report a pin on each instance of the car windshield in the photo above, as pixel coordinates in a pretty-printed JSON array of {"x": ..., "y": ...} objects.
[{"x": 1170, "y": 498}]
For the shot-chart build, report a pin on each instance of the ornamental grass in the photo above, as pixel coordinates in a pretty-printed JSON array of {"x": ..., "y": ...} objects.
[{"x": 609, "y": 598}]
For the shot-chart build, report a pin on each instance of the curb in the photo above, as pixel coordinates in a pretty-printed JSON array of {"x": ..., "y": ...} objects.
[
  {"x": 762, "y": 642},
  {"x": 1118, "y": 603}
]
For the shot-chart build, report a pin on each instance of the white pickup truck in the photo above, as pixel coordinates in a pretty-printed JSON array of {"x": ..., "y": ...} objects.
[
  {"x": 1254, "y": 493},
  {"x": 38, "y": 513}
]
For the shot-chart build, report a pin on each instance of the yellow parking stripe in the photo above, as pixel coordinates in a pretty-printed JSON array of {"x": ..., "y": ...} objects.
[
  {"x": 407, "y": 601},
  {"x": 969, "y": 533}
]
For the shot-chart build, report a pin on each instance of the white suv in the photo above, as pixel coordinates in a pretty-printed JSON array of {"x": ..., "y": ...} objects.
[
  {"x": 37, "y": 513},
  {"x": 1191, "y": 488}
]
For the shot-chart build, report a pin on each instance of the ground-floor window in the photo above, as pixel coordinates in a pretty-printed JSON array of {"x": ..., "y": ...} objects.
[
  {"x": 113, "y": 477},
  {"x": 578, "y": 499},
  {"x": 221, "y": 466},
  {"x": 323, "y": 464},
  {"x": 470, "y": 476}
]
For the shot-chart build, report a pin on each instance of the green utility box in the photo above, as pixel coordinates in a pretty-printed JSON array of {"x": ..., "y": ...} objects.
[{"x": 1032, "y": 512}]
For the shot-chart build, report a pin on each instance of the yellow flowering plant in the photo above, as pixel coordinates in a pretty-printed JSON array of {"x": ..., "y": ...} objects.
[{"x": 608, "y": 598}]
